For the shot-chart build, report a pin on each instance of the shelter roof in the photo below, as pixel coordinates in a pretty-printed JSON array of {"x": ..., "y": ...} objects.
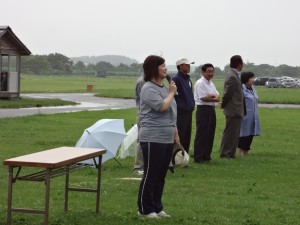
[{"x": 6, "y": 32}]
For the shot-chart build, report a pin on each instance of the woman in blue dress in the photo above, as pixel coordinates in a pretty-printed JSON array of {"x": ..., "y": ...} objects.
[{"x": 250, "y": 126}]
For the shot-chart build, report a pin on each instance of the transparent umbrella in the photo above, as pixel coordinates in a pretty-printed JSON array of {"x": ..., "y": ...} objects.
[{"x": 105, "y": 133}]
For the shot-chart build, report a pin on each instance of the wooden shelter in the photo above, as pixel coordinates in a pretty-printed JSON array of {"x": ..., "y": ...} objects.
[{"x": 11, "y": 50}]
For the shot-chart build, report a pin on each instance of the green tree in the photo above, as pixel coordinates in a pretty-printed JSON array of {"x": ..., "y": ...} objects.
[
  {"x": 136, "y": 67},
  {"x": 91, "y": 66},
  {"x": 79, "y": 66},
  {"x": 104, "y": 66},
  {"x": 36, "y": 64},
  {"x": 60, "y": 62},
  {"x": 265, "y": 70},
  {"x": 218, "y": 72},
  {"x": 285, "y": 70},
  {"x": 123, "y": 67}
]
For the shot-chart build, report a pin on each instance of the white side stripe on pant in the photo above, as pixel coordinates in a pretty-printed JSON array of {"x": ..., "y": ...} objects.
[{"x": 146, "y": 175}]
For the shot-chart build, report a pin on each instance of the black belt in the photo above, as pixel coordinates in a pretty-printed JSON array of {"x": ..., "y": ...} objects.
[{"x": 205, "y": 106}]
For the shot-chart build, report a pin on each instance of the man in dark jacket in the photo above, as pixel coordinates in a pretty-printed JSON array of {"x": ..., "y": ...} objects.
[{"x": 185, "y": 102}]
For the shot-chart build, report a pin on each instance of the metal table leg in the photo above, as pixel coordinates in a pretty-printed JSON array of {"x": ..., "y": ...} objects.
[
  {"x": 67, "y": 189},
  {"x": 9, "y": 201},
  {"x": 98, "y": 185},
  {"x": 47, "y": 182}
]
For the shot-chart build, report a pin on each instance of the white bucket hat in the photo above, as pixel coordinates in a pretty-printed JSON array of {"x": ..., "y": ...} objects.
[
  {"x": 180, "y": 157},
  {"x": 183, "y": 61}
]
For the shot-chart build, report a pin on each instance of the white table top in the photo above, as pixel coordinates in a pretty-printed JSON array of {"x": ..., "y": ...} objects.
[{"x": 56, "y": 157}]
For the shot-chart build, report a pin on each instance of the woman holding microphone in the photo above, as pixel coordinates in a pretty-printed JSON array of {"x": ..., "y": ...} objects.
[{"x": 157, "y": 135}]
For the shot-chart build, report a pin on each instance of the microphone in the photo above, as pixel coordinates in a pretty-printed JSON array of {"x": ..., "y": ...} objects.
[{"x": 168, "y": 77}]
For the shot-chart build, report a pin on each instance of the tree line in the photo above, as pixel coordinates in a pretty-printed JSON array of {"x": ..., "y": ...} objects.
[
  {"x": 59, "y": 64},
  {"x": 262, "y": 70}
]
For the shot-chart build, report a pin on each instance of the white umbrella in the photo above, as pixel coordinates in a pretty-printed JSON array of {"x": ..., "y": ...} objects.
[
  {"x": 128, "y": 146},
  {"x": 105, "y": 133}
]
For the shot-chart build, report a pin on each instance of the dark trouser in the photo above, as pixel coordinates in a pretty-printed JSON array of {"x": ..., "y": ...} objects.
[
  {"x": 184, "y": 127},
  {"x": 245, "y": 142},
  {"x": 230, "y": 137},
  {"x": 205, "y": 133},
  {"x": 157, "y": 157}
]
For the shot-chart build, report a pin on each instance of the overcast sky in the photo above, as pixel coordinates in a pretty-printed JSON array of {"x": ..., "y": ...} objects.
[{"x": 261, "y": 31}]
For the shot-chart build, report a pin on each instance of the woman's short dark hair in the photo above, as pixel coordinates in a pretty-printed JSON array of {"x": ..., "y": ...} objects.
[
  {"x": 205, "y": 66},
  {"x": 245, "y": 76},
  {"x": 150, "y": 66},
  {"x": 235, "y": 61}
]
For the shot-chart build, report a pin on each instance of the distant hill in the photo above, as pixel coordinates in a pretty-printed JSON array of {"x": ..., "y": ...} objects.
[{"x": 115, "y": 60}]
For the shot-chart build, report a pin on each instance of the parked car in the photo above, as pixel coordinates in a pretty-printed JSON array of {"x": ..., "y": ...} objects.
[
  {"x": 273, "y": 82},
  {"x": 260, "y": 81},
  {"x": 282, "y": 78},
  {"x": 288, "y": 83},
  {"x": 297, "y": 84}
]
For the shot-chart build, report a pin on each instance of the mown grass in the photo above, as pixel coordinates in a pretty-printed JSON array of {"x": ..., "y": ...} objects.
[
  {"x": 123, "y": 87},
  {"x": 261, "y": 189},
  {"x": 29, "y": 102},
  {"x": 78, "y": 84}
]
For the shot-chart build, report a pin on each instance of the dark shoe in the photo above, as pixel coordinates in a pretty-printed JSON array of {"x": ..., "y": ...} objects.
[
  {"x": 171, "y": 168},
  {"x": 202, "y": 161},
  {"x": 199, "y": 161},
  {"x": 208, "y": 158},
  {"x": 227, "y": 156}
]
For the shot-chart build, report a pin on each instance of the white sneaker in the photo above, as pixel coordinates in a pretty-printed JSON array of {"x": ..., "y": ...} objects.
[
  {"x": 163, "y": 214},
  {"x": 150, "y": 215},
  {"x": 139, "y": 172}
]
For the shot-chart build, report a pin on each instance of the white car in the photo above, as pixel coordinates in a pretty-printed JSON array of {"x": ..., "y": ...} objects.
[
  {"x": 297, "y": 84},
  {"x": 288, "y": 83},
  {"x": 273, "y": 82}
]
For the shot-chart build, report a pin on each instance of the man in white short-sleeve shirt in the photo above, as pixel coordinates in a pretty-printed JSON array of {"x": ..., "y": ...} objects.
[{"x": 206, "y": 96}]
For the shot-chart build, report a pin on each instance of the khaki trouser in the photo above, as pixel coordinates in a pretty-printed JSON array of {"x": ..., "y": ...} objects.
[{"x": 139, "y": 160}]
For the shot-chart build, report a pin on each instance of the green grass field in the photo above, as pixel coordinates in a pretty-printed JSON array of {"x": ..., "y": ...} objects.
[
  {"x": 260, "y": 189},
  {"x": 123, "y": 87}
]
